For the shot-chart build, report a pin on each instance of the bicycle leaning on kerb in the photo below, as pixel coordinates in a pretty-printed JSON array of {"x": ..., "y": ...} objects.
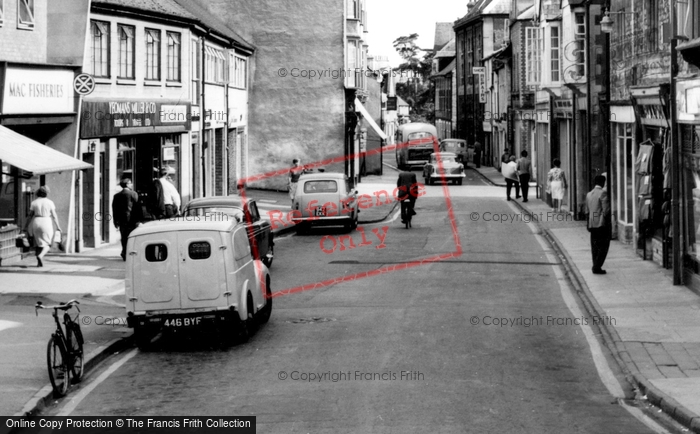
[{"x": 64, "y": 354}]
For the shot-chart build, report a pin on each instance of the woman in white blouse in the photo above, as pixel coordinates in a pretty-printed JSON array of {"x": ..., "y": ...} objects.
[{"x": 42, "y": 217}]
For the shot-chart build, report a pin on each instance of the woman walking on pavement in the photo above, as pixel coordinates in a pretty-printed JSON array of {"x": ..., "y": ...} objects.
[
  {"x": 556, "y": 184},
  {"x": 42, "y": 217}
]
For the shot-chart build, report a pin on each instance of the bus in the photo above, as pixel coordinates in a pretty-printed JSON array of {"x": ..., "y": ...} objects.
[{"x": 415, "y": 142}]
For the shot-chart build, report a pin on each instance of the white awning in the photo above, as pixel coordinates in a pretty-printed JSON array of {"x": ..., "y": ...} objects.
[
  {"x": 31, "y": 156},
  {"x": 365, "y": 114}
]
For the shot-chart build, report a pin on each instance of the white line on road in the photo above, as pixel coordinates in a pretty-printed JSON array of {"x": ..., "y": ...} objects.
[{"x": 75, "y": 401}]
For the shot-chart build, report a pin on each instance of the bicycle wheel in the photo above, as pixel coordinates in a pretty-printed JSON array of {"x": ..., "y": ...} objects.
[
  {"x": 75, "y": 339},
  {"x": 59, "y": 372}
]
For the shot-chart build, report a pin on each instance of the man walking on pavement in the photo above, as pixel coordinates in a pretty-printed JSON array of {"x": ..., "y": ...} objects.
[
  {"x": 124, "y": 211},
  {"x": 598, "y": 208},
  {"x": 171, "y": 198},
  {"x": 524, "y": 170},
  {"x": 477, "y": 154},
  {"x": 294, "y": 173}
]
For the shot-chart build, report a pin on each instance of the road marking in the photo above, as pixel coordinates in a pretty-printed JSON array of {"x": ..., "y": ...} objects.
[
  {"x": 5, "y": 324},
  {"x": 80, "y": 396}
]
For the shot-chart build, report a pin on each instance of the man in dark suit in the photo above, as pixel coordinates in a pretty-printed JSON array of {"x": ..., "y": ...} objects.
[
  {"x": 599, "y": 224},
  {"x": 408, "y": 187},
  {"x": 125, "y": 212},
  {"x": 477, "y": 154}
]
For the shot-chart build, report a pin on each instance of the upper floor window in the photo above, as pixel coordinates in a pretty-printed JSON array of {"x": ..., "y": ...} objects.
[
  {"x": 152, "y": 54},
  {"x": 237, "y": 75},
  {"x": 214, "y": 65},
  {"x": 579, "y": 25},
  {"x": 2, "y": 12},
  {"x": 353, "y": 9},
  {"x": 196, "y": 62},
  {"x": 350, "y": 80},
  {"x": 173, "y": 56},
  {"x": 25, "y": 14},
  {"x": 99, "y": 48},
  {"x": 555, "y": 54},
  {"x": 126, "y": 51},
  {"x": 532, "y": 53},
  {"x": 688, "y": 22}
]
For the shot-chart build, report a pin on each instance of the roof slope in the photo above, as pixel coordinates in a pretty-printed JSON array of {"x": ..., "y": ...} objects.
[{"x": 443, "y": 35}]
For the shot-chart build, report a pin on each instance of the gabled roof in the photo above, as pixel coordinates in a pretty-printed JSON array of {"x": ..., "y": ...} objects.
[
  {"x": 446, "y": 70},
  {"x": 485, "y": 7},
  {"x": 527, "y": 14},
  {"x": 448, "y": 50},
  {"x": 443, "y": 35},
  {"x": 497, "y": 7},
  {"x": 184, "y": 10}
]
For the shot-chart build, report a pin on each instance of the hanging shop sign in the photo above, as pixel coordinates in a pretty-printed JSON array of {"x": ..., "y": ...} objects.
[
  {"x": 109, "y": 118},
  {"x": 38, "y": 91}
]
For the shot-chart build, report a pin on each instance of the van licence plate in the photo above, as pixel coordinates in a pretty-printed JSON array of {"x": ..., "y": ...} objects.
[{"x": 182, "y": 322}]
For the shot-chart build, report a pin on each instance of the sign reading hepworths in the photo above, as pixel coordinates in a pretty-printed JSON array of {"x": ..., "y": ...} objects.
[
  {"x": 38, "y": 91},
  {"x": 123, "y": 117}
]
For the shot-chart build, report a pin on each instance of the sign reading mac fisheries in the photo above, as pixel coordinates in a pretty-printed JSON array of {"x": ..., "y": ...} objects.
[{"x": 38, "y": 91}]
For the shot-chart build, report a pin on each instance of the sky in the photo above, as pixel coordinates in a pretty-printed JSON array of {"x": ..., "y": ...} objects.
[{"x": 390, "y": 19}]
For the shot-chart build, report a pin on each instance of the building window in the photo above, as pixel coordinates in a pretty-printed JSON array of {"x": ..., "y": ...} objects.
[
  {"x": 196, "y": 62},
  {"x": 533, "y": 59},
  {"x": 126, "y": 51},
  {"x": 152, "y": 54},
  {"x": 352, "y": 64},
  {"x": 214, "y": 65},
  {"x": 237, "y": 71},
  {"x": 173, "y": 56},
  {"x": 99, "y": 48},
  {"x": 25, "y": 14},
  {"x": 555, "y": 54},
  {"x": 625, "y": 156},
  {"x": 688, "y": 22},
  {"x": 353, "y": 9},
  {"x": 2, "y": 12}
]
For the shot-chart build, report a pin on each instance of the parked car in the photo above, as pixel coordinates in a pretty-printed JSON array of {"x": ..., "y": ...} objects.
[
  {"x": 221, "y": 207},
  {"x": 324, "y": 199},
  {"x": 183, "y": 274},
  {"x": 457, "y": 147},
  {"x": 443, "y": 165}
]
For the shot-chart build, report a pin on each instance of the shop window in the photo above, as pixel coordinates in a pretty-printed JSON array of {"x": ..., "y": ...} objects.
[
  {"x": 7, "y": 194},
  {"x": 125, "y": 160},
  {"x": 173, "y": 56},
  {"x": 152, "y": 54},
  {"x": 99, "y": 48},
  {"x": 25, "y": 14},
  {"x": 126, "y": 51},
  {"x": 170, "y": 145},
  {"x": 690, "y": 138},
  {"x": 625, "y": 156}
]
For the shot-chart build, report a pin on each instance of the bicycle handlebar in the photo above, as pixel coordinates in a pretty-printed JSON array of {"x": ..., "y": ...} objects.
[{"x": 62, "y": 306}]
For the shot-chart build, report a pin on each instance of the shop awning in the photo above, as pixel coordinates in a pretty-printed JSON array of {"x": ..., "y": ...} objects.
[
  {"x": 31, "y": 156},
  {"x": 365, "y": 114}
]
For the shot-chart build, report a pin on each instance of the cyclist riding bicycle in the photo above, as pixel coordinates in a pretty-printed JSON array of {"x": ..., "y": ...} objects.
[{"x": 407, "y": 185}]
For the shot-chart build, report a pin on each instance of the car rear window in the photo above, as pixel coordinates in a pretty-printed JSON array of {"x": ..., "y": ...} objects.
[
  {"x": 324, "y": 186},
  {"x": 156, "y": 252},
  {"x": 209, "y": 213},
  {"x": 199, "y": 250}
]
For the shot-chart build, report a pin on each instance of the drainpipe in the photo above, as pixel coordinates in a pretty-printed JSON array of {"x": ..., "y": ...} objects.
[{"x": 675, "y": 160}]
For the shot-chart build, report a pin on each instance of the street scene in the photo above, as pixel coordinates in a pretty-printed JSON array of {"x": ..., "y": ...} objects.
[{"x": 349, "y": 216}]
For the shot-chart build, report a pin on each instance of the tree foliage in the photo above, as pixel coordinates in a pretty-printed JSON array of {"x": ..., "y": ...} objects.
[{"x": 414, "y": 85}]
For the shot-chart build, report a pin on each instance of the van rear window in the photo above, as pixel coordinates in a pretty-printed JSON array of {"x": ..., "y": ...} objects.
[
  {"x": 325, "y": 186},
  {"x": 156, "y": 252},
  {"x": 199, "y": 250}
]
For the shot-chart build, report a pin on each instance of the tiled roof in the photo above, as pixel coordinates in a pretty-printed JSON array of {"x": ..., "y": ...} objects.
[
  {"x": 443, "y": 34},
  {"x": 211, "y": 21},
  {"x": 165, "y": 7},
  {"x": 486, "y": 7},
  {"x": 448, "y": 50}
]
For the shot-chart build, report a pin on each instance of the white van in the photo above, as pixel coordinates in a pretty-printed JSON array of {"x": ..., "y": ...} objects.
[{"x": 184, "y": 274}]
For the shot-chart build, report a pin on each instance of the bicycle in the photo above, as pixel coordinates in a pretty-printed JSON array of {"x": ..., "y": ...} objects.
[
  {"x": 406, "y": 212},
  {"x": 64, "y": 353}
]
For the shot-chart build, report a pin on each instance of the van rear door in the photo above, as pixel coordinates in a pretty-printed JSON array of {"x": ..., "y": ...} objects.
[
  {"x": 202, "y": 268},
  {"x": 155, "y": 272}
]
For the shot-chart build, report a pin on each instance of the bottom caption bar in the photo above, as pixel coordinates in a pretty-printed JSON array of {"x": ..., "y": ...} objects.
[{"x": 119, "y": 425}]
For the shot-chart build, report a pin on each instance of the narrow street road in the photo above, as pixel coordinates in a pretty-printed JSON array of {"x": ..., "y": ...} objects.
[{"x": 482, "y": 342}]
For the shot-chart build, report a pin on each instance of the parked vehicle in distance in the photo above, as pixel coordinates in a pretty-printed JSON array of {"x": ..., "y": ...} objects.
[
  {"x": 415, "y": 142},
  {"x": 224, "y": 207},
  {"x": 324, "y": 199},
  {"x": 443, "y": 165},
  {"x": 457, "y": 147},
  {"x": 184, "y": 274}
]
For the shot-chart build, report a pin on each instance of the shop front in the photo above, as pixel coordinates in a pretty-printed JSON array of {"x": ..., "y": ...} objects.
[
  {"x": 647, "y": 181},
  {"x": 129, "y": 138},
  {"x": 688, "y": 102},
  {"x": 38, "y": 137},
  {"x": 623, "y": 180}
]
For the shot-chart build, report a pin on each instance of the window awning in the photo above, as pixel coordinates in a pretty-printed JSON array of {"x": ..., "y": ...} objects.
[
  {"x": 365, "y": 114},
  {"x": 31, "y": 156}
]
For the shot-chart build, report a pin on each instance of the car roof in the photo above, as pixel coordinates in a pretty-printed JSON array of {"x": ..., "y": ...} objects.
[
  {"x": 444, "y": 154},
  {"x": 214, "y": 201},
  {"x": 183, "y": 224},
  {"x": 322, "y": 176}
]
